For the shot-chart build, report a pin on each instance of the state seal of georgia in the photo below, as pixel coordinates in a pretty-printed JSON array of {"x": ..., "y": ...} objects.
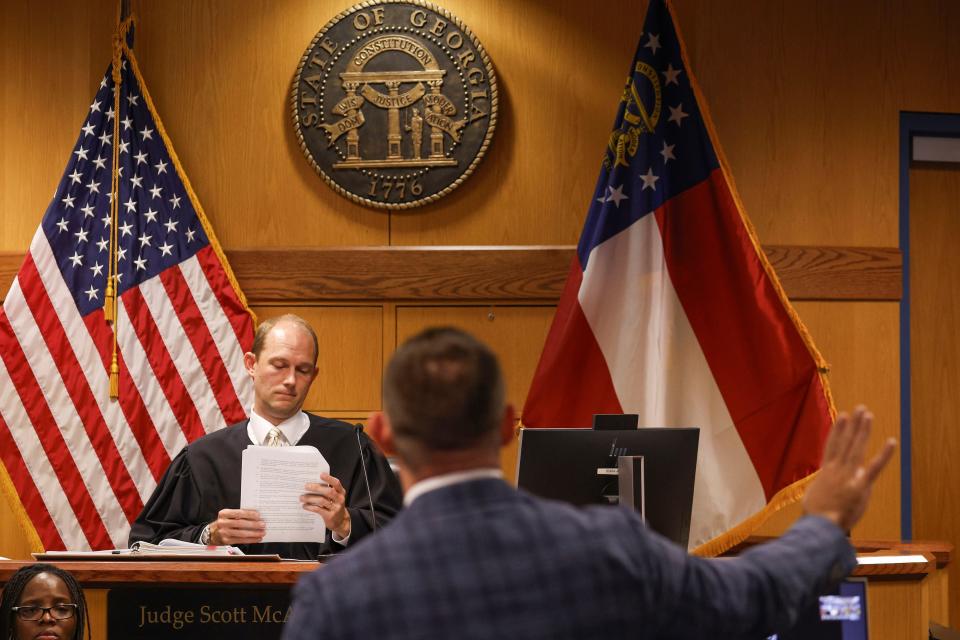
[{"x": 394, "y": 103}]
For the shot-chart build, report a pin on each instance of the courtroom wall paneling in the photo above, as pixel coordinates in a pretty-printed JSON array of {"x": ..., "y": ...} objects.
[
  {"x": 222, "y": 79},
  {"x": 516, "y": 335},
  {"x": 220, "y": 76},
  {"x": 859, "y": 342},
  {"x": 935, "y": 352},
  {"x": 351, "y": 357},
  {"x": 806, "y": 108},
  {"x": 560, "y": 70},
  {"x": 52, "y": 57},
  {"x": 806, "y": 100}
]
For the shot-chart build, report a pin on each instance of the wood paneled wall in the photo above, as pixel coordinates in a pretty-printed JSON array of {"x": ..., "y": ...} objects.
[
  {"x": 51, "y": 59},
  {"x": 805, "y": 98},
  {"x": 935, "y": 350}
]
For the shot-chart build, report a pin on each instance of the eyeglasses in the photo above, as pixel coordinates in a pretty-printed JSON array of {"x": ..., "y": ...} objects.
[{"x": 57, "y": 611}]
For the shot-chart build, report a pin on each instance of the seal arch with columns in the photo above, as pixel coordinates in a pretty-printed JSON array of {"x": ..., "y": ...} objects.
[{"x": 394, "y": 103}]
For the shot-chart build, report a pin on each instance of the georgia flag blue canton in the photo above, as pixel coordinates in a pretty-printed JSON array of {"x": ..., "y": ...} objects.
[
  {"x": 672, "y": 311},
  {"x": 80, "y": 463}
]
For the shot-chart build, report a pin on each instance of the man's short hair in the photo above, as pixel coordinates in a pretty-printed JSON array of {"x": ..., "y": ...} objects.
[
  {"x": 260, "y": 337},
  {"x": 443, "y": 391}
]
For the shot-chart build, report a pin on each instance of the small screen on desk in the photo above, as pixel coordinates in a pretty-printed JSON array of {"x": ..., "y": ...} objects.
[{"x": 838, "y": 615}]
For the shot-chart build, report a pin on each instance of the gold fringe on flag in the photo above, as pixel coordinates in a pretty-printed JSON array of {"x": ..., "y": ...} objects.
[{"x": 19, "y": 513}]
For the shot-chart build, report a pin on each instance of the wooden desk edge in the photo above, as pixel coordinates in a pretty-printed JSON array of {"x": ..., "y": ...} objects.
[
  {"x": 941, "y": 550},
  {"x": 897, "y": 570},
  {"x": 102, "y": 574}
]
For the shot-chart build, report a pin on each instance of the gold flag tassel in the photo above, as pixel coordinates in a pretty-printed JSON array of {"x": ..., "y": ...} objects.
[{"x": 114, "y": 372}]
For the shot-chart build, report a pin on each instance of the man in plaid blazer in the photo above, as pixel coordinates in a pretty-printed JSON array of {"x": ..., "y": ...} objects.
[{"x": 471, "y": 557}]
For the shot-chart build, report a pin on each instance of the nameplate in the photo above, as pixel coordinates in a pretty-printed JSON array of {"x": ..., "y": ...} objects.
[{"x": 186, "y": 613}]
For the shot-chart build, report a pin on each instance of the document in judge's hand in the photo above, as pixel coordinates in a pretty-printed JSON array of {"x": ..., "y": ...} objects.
[{"x": 272, "y": 481}]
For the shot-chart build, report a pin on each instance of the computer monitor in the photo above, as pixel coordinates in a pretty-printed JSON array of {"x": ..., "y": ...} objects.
[
  {"x": 562, "y": 464},
  {"x": 838, "y": 614}
]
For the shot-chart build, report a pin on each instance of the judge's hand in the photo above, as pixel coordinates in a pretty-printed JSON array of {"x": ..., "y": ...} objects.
[
  {"x": 841, "y": 490},
  {"x": 328, "y": 500},
  {"x": 237, "y": 526}
]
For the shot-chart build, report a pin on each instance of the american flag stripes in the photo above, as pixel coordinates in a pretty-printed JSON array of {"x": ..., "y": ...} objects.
[
  {"x": 672, "y": 311},
  {"x": 82, "y": 464}
]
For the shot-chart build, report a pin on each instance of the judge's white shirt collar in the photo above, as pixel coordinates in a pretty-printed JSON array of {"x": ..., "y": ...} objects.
[
  {"x": 438, "y": 482},
  {"x": 292, "y": 428}
]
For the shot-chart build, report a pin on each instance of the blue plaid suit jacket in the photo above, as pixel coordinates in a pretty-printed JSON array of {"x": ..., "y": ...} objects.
[{"x": 480, "y": 560}]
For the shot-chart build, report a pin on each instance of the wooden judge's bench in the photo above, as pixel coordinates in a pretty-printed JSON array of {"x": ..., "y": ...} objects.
[
  {"x": 186, "y": 598},
  {"x": 907, "y": 588},
  {"x": 904, "y": 597}
]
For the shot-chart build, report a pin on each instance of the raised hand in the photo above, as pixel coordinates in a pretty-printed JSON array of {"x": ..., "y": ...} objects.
[{"x": 841, "y": 490}]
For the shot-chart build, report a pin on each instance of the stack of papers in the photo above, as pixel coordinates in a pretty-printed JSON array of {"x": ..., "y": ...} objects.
[{"x": 272, "y": 481}]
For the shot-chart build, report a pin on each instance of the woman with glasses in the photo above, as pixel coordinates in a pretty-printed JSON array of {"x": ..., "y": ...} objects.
[{"x": 42, "y": 602}]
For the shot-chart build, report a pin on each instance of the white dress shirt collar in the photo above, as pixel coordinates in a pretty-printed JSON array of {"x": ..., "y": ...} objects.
[
  {"x": 292, "y": 428},
  {"x": 438, "y": 482}
]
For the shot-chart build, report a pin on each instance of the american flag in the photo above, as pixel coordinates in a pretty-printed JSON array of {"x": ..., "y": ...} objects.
[
  {"x": 671, "y": 310},
  {"x": 83, "y": 464}
]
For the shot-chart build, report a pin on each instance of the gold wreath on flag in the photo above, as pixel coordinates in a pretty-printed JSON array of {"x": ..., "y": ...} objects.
[{"x": 625, "y": 141}]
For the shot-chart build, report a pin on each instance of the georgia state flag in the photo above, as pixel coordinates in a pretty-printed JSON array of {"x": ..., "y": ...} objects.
[{"x": 672, "y": 311}]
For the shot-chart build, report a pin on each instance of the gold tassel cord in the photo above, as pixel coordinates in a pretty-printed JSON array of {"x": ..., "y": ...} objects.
[
  {"x": 9, "y": 491},
  {"x": 109, "y": 310},
  {"x": 110, "y": 297}
]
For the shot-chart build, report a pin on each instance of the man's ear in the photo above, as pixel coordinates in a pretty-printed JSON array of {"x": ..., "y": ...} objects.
[
  {"x": 248, "y": 361},
  {"x": 380, "y": 430},
  {"x": 509, "y": 425}
]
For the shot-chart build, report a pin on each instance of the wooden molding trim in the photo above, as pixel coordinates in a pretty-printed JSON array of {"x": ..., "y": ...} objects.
[
  {"x": 533, "y": 274},
  {"x": 129, "y": 572}
]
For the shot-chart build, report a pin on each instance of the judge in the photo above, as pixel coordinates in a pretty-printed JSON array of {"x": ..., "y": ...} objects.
[{"x": 198, "y": 498}]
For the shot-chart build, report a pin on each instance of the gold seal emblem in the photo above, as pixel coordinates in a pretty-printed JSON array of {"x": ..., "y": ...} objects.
[{"x": 394, "y": 103}]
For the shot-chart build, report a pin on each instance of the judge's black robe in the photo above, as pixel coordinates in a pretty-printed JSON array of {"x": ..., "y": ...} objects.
[{"x": 205, "y": 478}]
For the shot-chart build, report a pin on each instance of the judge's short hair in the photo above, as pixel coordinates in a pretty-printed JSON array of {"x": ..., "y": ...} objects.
[
  {"x": 260, "y": 337},
  {"x": 443, "y": 390}
]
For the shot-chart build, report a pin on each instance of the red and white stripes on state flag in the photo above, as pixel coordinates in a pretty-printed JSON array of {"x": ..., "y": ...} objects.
[{"x": 664, "y": 323}]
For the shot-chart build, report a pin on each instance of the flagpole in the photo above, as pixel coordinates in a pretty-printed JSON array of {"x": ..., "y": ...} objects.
[{"x": 110, "y": 296}]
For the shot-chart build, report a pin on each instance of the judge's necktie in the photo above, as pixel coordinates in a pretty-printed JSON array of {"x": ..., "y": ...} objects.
[{"x": 275, "y": 438}]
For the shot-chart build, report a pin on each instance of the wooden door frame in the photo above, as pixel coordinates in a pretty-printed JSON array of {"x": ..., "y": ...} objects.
[{"x": 912, "y": 123}]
